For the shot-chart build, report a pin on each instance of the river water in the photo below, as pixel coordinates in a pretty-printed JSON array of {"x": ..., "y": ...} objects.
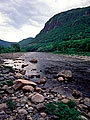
[{"x": 50, "y": 65}]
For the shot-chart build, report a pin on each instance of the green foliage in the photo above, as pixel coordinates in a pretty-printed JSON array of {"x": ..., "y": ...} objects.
[
  {"x": 11, "y": 104},
  {"x": 9, "y": 82},
  {"x": 63, "y": 111},
  {"x": 67, "y": 32},
  {"x": 23, "y": 43},
  {"x": 11, "y": 49},
  {"x": 71, "y": 104}
]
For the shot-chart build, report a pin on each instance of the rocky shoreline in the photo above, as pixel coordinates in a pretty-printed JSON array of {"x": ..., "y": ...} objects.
[{"x": 23, "y": 99}]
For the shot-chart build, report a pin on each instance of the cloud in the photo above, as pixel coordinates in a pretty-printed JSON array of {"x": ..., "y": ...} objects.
[{"x": 20, "y": 19}]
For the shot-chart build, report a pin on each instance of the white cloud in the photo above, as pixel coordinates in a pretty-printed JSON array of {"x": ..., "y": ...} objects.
[{"x": 20, "y": 19}]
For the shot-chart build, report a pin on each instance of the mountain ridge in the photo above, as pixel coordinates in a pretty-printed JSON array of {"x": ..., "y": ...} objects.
[
  {"x": 4, "y": 43},
  {"x": 71, "y": 25}
]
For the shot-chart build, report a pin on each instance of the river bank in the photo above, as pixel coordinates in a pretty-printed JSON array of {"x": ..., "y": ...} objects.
[{"x": 47, "y": 67}]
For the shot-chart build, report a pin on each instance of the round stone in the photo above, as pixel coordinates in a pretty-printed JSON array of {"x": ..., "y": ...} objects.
[
  {"x": 37, "y": 98},
  {"x": 22, "y": 111}
]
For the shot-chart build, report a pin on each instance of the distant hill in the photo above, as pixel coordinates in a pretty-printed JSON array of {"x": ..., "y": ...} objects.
[
  {"x": 64, "y": 32},
  {"x": 5, "y": 43},
  {"x": 23, "y": 43}
]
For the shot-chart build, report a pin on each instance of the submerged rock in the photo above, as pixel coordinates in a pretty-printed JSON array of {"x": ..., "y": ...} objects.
[
  {"x": 65, "y": 74},
  {"x": 76, "y": 94},
  {"x": 33, "y": 61}
]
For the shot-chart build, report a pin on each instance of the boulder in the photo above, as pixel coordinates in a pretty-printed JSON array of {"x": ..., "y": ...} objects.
[
  {"x": 42, "y": 81},
  {"x": 3, "y": 106},
  {"x": 65, "y": 74},
  {"x": 37, "y": 98},
  {"x": 24, "y": 65},
  {"x": 28, "y": 88},
  {"x": 87, "y": 101},
  {"x": 76, "y": 94},
  {"x": 18, "y": 75},
  {"x": 60, "y": 79},
  {"x": 39, "y": 90},
  {"x": 65, "y": 100},
  {"x": 21, "y": 82},
  {"x": 43, "y": 114},
  {"x": 22, "y": 111},
  {"x": 33, "y": 61}
]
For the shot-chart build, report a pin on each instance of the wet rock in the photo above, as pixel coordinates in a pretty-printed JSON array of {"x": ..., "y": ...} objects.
[
  {"x": 30, "y": 109},
  {"x": 83, "y": 117},
  {"x": 43, "y": 114},
  {"x": 88, "y": 114},
  {"x": 31, "y": 76},
  {"x": 28, "y": 88},
  {"x": 40, "y": 106},
  {"x": 37, "y": 75},
  {"x": 2, "y": 112},
  {"x": 42, "y": 81},
  {"x": 24, "y": 65},
  {"x": 1, "y": 78},
  {"x": 10, "y": 90},
  {"x": 76, "y": 94},
  {"x": 87, "y": 102},
  {"x": 33, "y": 61},
  {"x": 65, "y": 100},
  {"x": 29, "y": 117},
  {"x": 60, "y": 79},
  {"x": 5, "y": 87},
  {"x": 3, "y": 106},
  {"x": 39, "y": 90},
  {"x": 21, "y": 82},
  {"x": 65, "y": 74},
  {"x": 23, "y": 72},
  {"x": 22, "y": 111},
  {"x": 37, "y": 98},
  {"x": 82, "y": 106},
  {"x": 18, "y": 75}
]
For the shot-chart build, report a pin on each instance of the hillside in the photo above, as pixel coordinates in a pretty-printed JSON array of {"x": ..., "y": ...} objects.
[
  {"x": 23, "y": 43},
  {"x": 5, "y": 43},
  {"x": 69, "y": 29}
]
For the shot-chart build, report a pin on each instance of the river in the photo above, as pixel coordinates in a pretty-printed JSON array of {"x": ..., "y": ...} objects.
[{"x": 50, "y": 65}]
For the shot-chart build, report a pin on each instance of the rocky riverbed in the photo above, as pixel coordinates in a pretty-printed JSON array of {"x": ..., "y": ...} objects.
[{"x": 35, "y": 79}]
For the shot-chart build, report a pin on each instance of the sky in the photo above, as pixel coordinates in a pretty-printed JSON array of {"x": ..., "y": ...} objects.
[{"x": 20, "y": 19}]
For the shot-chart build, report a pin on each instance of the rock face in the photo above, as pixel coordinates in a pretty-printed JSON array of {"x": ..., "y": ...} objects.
[
  {"x": 28, "y": 88},
  {"x": 21, "y": 82},
  {"x": 37, "y": 98},
  {"x": 65, "y": 74}
]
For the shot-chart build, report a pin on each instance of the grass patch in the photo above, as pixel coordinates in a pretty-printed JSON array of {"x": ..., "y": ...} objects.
[{"x": 63, "y": 111}]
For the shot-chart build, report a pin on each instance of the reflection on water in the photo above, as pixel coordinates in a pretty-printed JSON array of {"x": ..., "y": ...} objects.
[{"x": 31, "y": 69}]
